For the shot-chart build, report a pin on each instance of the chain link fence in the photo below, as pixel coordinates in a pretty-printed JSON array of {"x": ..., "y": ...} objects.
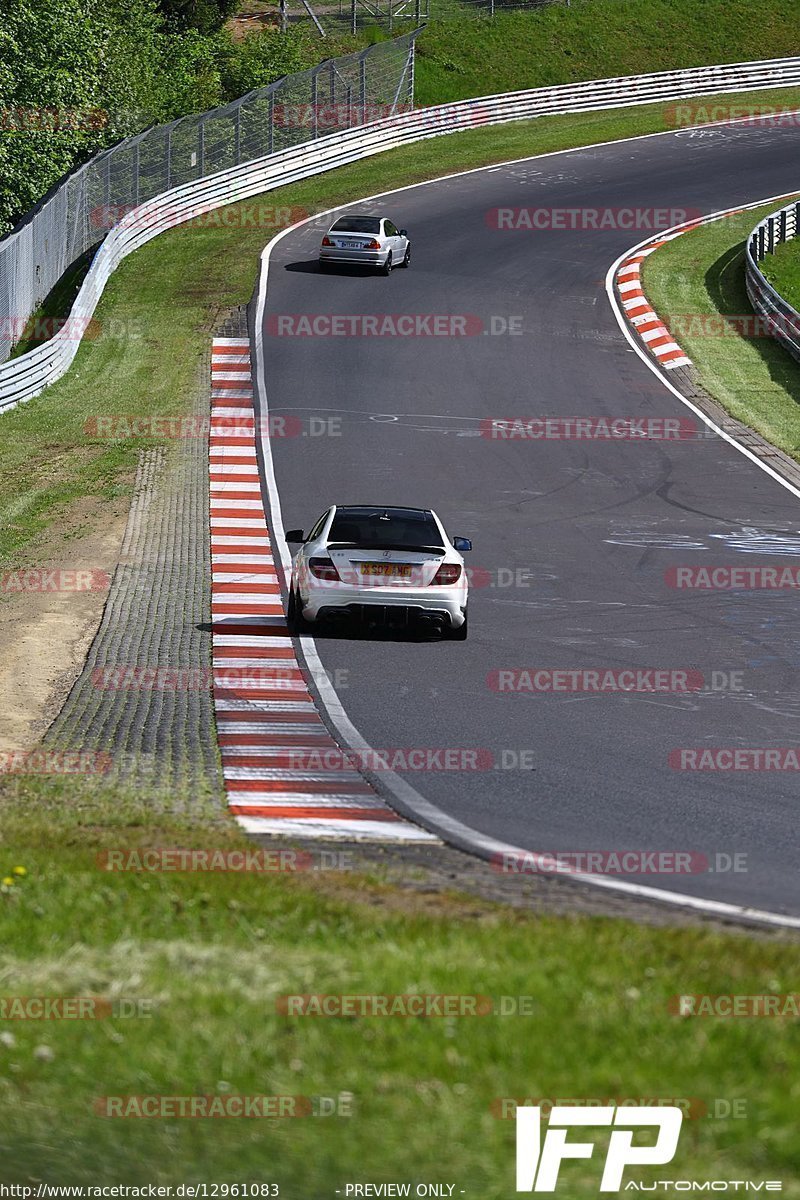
[{"x": 338, "y": 94}]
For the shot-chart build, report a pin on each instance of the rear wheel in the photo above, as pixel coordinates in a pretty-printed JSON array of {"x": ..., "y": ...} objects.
[
  {"x": 294, "y": 615},
  {"x": 387, "y": 266},
  {"x": 407, "y": 259},
  {"x": 460, "y": 634}
]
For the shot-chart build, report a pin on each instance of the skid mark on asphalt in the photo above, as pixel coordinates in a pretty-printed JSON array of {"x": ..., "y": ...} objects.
[{"x": 272, "y": 739}]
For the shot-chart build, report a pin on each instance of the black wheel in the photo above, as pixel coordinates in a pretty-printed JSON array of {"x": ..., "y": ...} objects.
[
  {"x": 407, "y": 259},
  {"x": 387, "y": 266},
  {"x": 460, "y": 634},
  {"x": 294, "y": 616}
]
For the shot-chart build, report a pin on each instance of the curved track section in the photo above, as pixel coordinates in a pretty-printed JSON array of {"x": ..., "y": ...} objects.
[{"x": 577, "y": 540}]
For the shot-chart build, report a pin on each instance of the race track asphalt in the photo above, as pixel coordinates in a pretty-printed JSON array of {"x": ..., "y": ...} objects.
[{"x": 573, "y": 539}]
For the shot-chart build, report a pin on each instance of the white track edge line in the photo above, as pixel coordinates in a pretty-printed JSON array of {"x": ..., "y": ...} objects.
[{"x": 409, "y": 801}]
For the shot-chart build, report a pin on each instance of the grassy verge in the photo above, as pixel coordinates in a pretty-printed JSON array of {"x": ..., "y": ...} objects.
[
  {"x": 213, "y": 952},
  {"x": 155, "y": 316},
  {"x": 594, "y": 39},
  {"x": 700, "y": 276},
  {"x": 464, "y": 52}
]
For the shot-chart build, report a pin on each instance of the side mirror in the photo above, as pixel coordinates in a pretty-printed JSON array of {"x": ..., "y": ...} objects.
[
  {"x": 403, "y": 233},
  {"x": 462, "y": 544},
  {"x": 294, "y": 535}
]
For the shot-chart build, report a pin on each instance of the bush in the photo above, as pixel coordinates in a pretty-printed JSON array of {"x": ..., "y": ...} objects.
[{"x": 81, "y": 74}]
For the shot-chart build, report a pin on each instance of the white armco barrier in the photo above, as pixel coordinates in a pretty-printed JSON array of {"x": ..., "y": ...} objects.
[{"x": 28, "y": 375}]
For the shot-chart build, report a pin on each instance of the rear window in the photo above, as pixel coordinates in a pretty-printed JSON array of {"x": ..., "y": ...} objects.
[
  {"x": 357, "y": 225},
  {"x": 377, "y": 528}
]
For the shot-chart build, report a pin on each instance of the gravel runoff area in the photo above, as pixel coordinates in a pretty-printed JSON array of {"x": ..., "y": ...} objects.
[{"x": 157, "y": 616}]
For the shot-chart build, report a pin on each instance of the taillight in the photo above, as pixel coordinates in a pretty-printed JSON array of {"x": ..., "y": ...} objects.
[
  {"x": 373, "y": 245},
  {"x": 326, "y": 241},
  {"x": 323, "y": 568},
  {"x": 448, "y": 573}
]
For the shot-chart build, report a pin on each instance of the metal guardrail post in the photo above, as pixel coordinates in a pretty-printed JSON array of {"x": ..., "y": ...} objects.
[{"x": 779, "y": 317}]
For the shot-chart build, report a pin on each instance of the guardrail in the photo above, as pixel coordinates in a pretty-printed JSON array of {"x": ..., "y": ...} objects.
[
  {"x": 28, "y": 375},
  {"x": 782, "y": 321}
]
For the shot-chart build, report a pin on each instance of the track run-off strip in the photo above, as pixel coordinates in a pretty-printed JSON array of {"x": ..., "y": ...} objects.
[
  {"x": 647, "y": 325},
  {"x": 270, "y": 733}
]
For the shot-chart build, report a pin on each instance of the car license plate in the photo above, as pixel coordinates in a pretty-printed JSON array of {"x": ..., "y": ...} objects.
[
  {"x": 392, "y": 570},
  {"x": 352, "y": 245}
]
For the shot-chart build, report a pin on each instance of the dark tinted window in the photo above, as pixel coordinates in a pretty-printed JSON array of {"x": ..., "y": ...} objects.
[
  {"x": 385, "y": 527},
  {"x": 317, "y": 530},
  {"x": 391, "y": 229},
  {"x": 357, "y": 225}
]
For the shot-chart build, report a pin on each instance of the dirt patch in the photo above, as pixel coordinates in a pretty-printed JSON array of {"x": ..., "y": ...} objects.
[{"x": 50, "y": 608}]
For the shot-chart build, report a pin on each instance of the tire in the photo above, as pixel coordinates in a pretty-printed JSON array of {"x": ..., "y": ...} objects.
[
  {"x": 407, "y": 259},
  {"x": 460, "y": 634},
  {"x": 387, "y": 266},
  {"x": 294, "y": 617}
]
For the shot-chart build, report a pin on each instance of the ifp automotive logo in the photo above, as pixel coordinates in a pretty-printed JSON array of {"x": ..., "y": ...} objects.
[{"x": 539, "y": 1160}]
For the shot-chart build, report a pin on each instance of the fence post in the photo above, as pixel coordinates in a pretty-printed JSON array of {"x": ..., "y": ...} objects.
[
  {"x": 315, "y": 130},
  {"x": 271, "y": 123},
  {"x": 237, "y": 134},
  {"x": 169, "y": 157},
  {"x": 201, "y": 148},
  {"x": 353, "y": 16},
  {"x": 362, "y": 84},
  {"x": 136, "y": 173}
]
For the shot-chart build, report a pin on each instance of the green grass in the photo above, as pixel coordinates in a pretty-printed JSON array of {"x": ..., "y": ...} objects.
[
  {"x": 214, "y": 951},
  {"x": 158, "y": 310},
  {"x": 469, "y": 55},
  {"x": 782, "y": 269},
  {"x": 702, "y": 272}
]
